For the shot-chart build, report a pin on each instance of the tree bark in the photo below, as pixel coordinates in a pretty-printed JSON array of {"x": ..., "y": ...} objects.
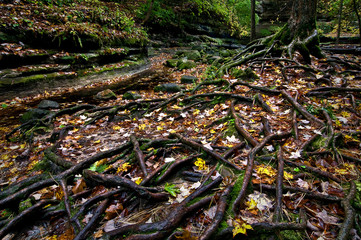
[
  {"x": 302, "y": 21},
  {"x": 339, "y": 23},
  {"x": 253, "y": 20}
]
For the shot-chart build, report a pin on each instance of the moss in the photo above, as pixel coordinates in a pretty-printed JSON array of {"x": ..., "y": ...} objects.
[
  {"x": 292, "y": 235},
  {"x": 25, "y": 204}
]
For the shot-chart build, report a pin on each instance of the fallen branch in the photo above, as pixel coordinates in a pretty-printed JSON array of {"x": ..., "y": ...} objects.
[
  {"x": 24, "y": 215},
  {"x": 93, "y": 221},
  {"x": 301, "y": 109},
  {"x": 349, "y": 213},
  {"x": 198, "y": 146},
  {"x": 249, "y": 169},
  {"x": 138, "y": 154}
]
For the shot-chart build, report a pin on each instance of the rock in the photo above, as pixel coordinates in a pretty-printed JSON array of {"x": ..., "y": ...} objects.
[
  {"x": 105, "y": 95},
  {"x": 188, "y": 79},
  {"x": 189, "y": 54},
  {"x": 168, "y": 87},
  {"x": 172, "y": 63},
  {"x": 186, "y": 64},
  {"x": 48, "y": 104},
  {"x": 247, "y": 74},
  {"x": 32, "y": 114},
  {"x": 131, "y": 96}
]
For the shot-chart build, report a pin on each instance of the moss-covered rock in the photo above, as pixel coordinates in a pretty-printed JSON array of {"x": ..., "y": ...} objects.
[
  {"x": 168, "y": 87},
  {"x": 186, "y": 64},
  {"x": 33, "y": 114},
  {"x": 247, "y": 74},
  {"x": 131, "y": 95},
  {"x": 188, "y": 79},
  {"x": 48, "y": 104},
  {"x": 171, "y": 63},
  {"x": 105, "y": 95}
]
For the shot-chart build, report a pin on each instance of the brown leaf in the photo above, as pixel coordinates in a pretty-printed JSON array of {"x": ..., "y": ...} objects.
[{"x": 79, "y": 186}]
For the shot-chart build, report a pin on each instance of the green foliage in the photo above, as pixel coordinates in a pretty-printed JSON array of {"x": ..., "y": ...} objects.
[
  {"x": 98, "y": 167},
  {"x": 329, "y": 10},
  {"x": 171, "y": 189}
]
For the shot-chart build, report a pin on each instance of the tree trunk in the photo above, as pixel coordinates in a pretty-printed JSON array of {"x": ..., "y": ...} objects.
[
  {"x": 253, "y": 20},
  {"x": 339, "y": 23},
  {"x": 358, "y": 18},
  {"x": 302, "y": 21}
]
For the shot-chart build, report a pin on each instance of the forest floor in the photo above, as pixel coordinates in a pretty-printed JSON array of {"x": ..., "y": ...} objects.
[{"x": 278, "y": 153}]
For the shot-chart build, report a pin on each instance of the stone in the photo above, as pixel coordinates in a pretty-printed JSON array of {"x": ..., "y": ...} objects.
[
  {"x": 131, "y": 96},
  {"x": 188, "y": 79},
  {"x": 247, "y": 74},
  {"x": 105, "y": 95},
  {"x": 186, "y": 64},
  {"x": 34, "y": 113},
  {"x": 171, "y": 63},
  {"x": 48, "y": 104},
  {"x": 168, "y": 87}
]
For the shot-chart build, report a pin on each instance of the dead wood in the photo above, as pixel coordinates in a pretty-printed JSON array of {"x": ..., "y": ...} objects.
[
  {"x": 25, "y": 215},
  {"x": 279, "y": 188},
  {"x": 249, "y": 169},
  {"x": 198, "y": 146},
  {"x": 115, "y": 181},
  {"x": 240, "y": 129},
  {"x": 301, "y": 109},
  {"x": 314, "y": 170},
  {"x": 221, "y": 208},
  {"x": 93, "y": 221},
  {"x": 310, "y": 194},
  {"x": 138, "y": 154},
  {"x": 348, "y": 222}
]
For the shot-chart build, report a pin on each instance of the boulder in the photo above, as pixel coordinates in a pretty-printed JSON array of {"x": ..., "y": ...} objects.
[
  {"x": 172, "y": 63},
  {"x": 105, "y": 95},
  {"x": 131, "y": 96},
  {"x": 186, "y": 64},
  {"x": 48, "y": 104},
  {"x": 188, "y": 79},
  {"x": 34, "y": 113},
  {"x": 247, "y": 74},
  {"x": 168, "y": 87}
]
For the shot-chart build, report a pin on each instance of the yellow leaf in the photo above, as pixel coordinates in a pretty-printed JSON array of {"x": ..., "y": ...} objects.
[
  {"x": 240, "y": 227},
  {"x": 159, "y": 128},
  {"x": 124, "y": 167},
  {"x": 139, "y": 180},
  {"x": 196, "y": 112},
  {"x": 212, "y": 131},
  {"x": 97, "y": 141},
  {"x": 287, "y": 176},
  {"x": 252, "y": 204},
  {"x": 345, "y": 114},
  {"x": 266, "y": 170},
  {"x": 338, "y": 123},
  {"x": 142, "y": 126},
  {"x": 201, "y": 164},
  {"x": 116, "y": 128}
]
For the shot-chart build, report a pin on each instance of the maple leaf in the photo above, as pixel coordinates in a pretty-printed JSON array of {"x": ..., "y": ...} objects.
[
  {"x": 124, "y": 167},
  {"x": 232, "y": 139},
  {"x": 266, "y": 170},
  {"x": 201, "y": 164},
  {"x": 296, "y": 154},
  {"x": 240, "y": 226},
  {"x": 302, "y": 183},
  {"x": 287, "y": 176}
]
